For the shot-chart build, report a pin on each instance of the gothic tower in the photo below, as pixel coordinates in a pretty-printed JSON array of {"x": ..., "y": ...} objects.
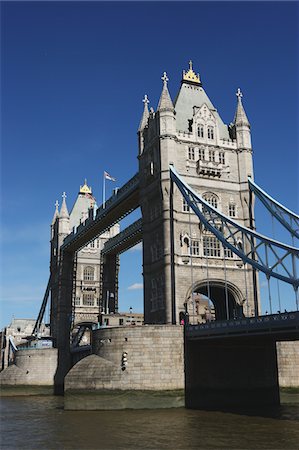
[
  {"x": 87, "y": 283},
  {"x": 183, "y": 262}
]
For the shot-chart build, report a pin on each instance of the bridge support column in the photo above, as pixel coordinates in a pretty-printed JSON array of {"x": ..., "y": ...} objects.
[
  {"x": 110, "y": 269},
  {"x": 63, "y": 318},
  {"x": 236, "y": 372}
]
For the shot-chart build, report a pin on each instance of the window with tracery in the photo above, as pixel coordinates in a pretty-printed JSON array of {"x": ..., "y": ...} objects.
[
  {"x": 211, "y": 198},
  {"x": 221, "y": 158},
  {"x": 232, "y": 210},
  {"x": 200, "y": 131},
  {"x": 228, "y": 253},
  {"x": 211, "y": 246},
  {"x": 191, "y": 153},
  {"x": 88, "y": 273},
  {"x": 185, "y": 206},
  {"x": 194, "y": 247},
  {"x": 210, "y": 132},
  {"x": 212, "y": 155},
  {"x": 88, "y": 299},
  {"x": 201, "y": 154}
]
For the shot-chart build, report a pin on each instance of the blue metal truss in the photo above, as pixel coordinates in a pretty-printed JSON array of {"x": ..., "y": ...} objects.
[
  {"x": 287, "y": 218},
  {"x": 272, "y": 257}
]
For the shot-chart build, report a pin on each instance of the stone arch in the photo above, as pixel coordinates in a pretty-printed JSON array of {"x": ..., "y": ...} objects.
[{"x": 218, "y": 297}]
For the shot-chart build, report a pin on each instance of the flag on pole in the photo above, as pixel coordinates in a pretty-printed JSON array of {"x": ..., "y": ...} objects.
[{"x": 108, "y": 177}]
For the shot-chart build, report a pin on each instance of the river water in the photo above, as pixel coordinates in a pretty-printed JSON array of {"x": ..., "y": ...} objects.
[{"x": 40, "y": 422}]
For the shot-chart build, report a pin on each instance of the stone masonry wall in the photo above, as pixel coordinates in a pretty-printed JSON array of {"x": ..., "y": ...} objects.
[
  {"x": 288, "y": 363},
  {"x": 154, "y": 360},
  {"x": 34, "y": 367}
]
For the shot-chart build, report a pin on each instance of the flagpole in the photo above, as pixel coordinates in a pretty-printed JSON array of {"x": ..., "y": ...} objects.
[{"x": 104, "y": 194}]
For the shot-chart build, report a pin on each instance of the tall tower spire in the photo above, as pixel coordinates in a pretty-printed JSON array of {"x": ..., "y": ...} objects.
[
  {"x": 63, "y": 211},
  {"x": 165, "y": 102},
  {"x": 56, "y": 212},
  {"x": 64, "y": 218},
  {"x": 240, "y": 115},
  {"x": 242, "y": 125},
  {"x": 145, "y": 114}
]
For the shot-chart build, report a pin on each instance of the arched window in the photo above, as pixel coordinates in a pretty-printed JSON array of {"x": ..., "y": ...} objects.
[
  {"x": 200, "y": 132},
  {"x": 88, "y": 273},
  {"x": 211, "y": 198},
  {"x": 201, "y": 154},
  {"x": 210, "y": 132}
]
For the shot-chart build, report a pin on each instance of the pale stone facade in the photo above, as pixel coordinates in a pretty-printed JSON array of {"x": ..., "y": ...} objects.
[
  {"x": 215, "y": 160},
  {"x": 87, "y": 263}
]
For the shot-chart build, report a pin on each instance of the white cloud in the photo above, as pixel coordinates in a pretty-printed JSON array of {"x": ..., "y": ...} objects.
[{"x": 135, "y": 286}]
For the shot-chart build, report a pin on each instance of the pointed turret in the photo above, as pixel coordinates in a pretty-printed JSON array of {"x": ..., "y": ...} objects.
[
  {"x": 143, "y": 124},
  {"x": 64, "y": 214},
  {"x": 145, "y": 114},
  {"x": 241, "y": 124},
  {"x": 165, "y": 102},
  {"x": 56, "y": 213},
  {"x": 240, "y": 115},
  {"x": 64, "y": 218}
]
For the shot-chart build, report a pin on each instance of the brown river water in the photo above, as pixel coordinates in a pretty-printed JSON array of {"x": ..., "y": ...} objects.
[{"x": 40, "y": 422}]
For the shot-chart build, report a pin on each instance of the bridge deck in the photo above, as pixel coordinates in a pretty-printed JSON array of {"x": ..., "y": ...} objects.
[
  {"x": 277, "y": 326},
  {"x": 117, "y": 207}
]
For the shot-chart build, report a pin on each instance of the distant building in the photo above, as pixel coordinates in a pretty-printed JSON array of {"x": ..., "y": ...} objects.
[{"x": 18, "y": 331}]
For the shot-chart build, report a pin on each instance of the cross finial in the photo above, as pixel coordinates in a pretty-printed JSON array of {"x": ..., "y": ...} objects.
[
  {"x": 145, "y": 100},
  {"x": 165, "y": 79},
  {"x": 239, "y": 94},
  {"x": 56, "y": 204},
  {"x": 64, "y": 195},
  {"x": 190, "y": 64}
]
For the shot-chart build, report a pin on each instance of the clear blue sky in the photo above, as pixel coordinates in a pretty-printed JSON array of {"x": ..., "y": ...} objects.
[{"x": 73, "y": 77}]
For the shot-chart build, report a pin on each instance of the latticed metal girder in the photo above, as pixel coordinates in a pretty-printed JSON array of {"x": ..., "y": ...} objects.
[
  {"x": 286, "y": 217},
  {"x": 272, "y": 257}
]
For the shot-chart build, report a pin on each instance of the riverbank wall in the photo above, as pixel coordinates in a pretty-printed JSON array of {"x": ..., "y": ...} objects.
[{"x": 32, "y": 367}]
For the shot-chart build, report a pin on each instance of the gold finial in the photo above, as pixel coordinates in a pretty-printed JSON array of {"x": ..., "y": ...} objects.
[
  {"x": 191, "y": 75},
  {"x": 85, "y": 189}
]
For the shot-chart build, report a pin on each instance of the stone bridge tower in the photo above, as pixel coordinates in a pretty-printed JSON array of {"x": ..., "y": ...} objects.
[{"x": 183, "y": 263}]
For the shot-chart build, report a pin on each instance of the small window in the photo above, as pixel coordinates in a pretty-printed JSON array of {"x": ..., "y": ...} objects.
[
  {"x": 77, "y": 301},
  {"x": 121, "y": 321},
  {"x": 221, "y": 158},
  {"x": 228, "y": 253},
  {"x": 212, "y": 155},
  {"x": 211, "y": 199},
  {"x": 191, "y": 153},
  {"x": 210, "y": 132},
  {"x": 194, "y": 248},
  {"x": 232, "y": 210},
  {"x": 92, "y": 244},
  {"x": 200, "y": 132},
  {"x": 185, "y": 206},
  {"x": 88, "y": 273},
  {"x": 201, "y": 154},
  {"x": 88, "y": 299},
  {"x": 106, "y": 322}
]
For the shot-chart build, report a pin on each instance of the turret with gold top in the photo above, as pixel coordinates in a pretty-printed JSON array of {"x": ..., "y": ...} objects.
[{"x": 190, "y": 76}]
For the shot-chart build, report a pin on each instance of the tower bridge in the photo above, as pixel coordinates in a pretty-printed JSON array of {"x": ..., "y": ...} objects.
[{"x": 195, "y": 190}]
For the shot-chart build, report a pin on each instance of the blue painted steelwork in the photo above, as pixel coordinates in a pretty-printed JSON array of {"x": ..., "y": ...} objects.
[
  {"x": 272, "y": 257},
  {"x": 285, "y": 216}
]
